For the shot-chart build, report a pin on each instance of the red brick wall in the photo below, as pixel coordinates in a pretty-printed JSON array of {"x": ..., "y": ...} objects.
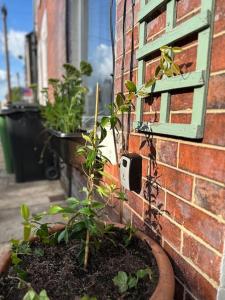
[
  {"x": 190, "y": 173},
  {"x": 56, "y": 17}
]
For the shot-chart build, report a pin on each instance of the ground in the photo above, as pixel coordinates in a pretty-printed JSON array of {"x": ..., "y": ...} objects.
[{"x": 36, "y": 194}]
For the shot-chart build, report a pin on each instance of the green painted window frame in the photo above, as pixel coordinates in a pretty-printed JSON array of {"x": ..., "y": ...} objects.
[{"x": 198, "y": 80}]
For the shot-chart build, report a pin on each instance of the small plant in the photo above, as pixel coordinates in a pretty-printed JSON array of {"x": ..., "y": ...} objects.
[
  {"x": 32, "y": 295},
  {"x": 65, "y": 112},
  {"x": 126, "y": 281}
]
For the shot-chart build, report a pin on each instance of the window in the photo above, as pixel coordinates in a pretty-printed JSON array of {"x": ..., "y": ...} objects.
[{"x": 90, "y": 40}]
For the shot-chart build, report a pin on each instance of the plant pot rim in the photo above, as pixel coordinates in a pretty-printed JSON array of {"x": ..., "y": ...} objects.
[
  {"x": 166, "y": 283},
  {"x": 64, "y": 135}
]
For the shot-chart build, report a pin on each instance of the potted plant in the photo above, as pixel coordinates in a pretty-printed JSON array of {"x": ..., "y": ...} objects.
[
  {"x": 62, "y": 114},
  {"x": 85, "y": 257}
]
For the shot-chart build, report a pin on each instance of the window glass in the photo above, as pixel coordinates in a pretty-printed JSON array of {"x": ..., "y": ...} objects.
[{"x": 99, "y": 54}]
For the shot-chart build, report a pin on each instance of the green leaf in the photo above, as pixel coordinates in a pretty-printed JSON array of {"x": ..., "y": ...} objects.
[
  {"x": 175, "y": 68},
  {"x": 86, "y": 297},
  {"x": 97, "y": 205},
  {"x": 64, "y": 235},
  {"x": 120, "y": 98},
  {"x": 143, "y": 272},
  {"x": 26, "y": 231},
  {"x": 121, "y": 281},
  {"x": 30, "y": 295},
  {"x": 39, "y": 252},
  {"x": 86, "y": 211},
  {"x": 43, "y": 295},
  {"x": 55, "y": 209},
  {"x": 177, "y": 49},
  {"x": 122, "y": 196},
  {"x": 150, "y": 82},
  {"x": 25, "y": 212},
  {"x": 86, "y": 138},
  {"x": 85, "y": 68},
  {"x": 131, "y": 86},
  {"x": 132, "y": 282},
  {"x": 15, "y": 259},
  {"x": 78, "y": 227},
  {"x": 165, "y": 48},
  {"x": 105, "y": 121},
  {"x": 73, "y": 202}
]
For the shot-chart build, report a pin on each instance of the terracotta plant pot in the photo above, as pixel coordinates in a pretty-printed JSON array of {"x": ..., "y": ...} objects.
[{"x": 166, "y": 284}]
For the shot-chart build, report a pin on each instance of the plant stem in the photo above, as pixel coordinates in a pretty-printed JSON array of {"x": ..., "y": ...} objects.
[{"x": 90, "y": 185}]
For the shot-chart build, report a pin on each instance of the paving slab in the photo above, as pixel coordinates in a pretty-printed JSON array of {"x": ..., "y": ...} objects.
[{"x": 36, "y": 194}]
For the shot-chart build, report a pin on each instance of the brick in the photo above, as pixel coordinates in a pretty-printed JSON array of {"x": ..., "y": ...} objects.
[
  {"x": 181, "y": 100},
  {"x": 126, "y": 213},
  {"x": 119, "y": 30},
  {"x": 184, "y": 7},
  {"x": 117, "y": 85},
  {"x": 152, "y": 117},
  {"x": 127, "y": 61},
  {"x": 181, "y": 118},
  {"x": 187, "y": 59},
  {"x": 156, "y": 25},
  {"x": 176, "y": 182},
  {"x": 137, "y": 222},
  {"x": 129, "y": 38},
  {"x": 128, "y": 124},
  {"x": 195, "y": 282},
  {"x": 135, "y": 202},
  {"x": 134, "y": 143},
  {"x": 210, "y": 196},
  {"x": 203, "y": 161},
  {"x": 166, "y": 152},
  {"x": 217, "y": 56},
  {"x": 216, "y": 92},
  {"x": 202, "y": 257},
  {"x": 170, "y": 233},
  {"x": 196, "y": 221},
  {"x": 119, "y": 47},
  {"x": 150, "y": 70},
  {"x": 152, "y": 103},
  {"x": 115, "y": 204},
  {"x": 214, "y": 132},
  {"x": 113, "y": 170},
  {"x": 219, "y": 23}
]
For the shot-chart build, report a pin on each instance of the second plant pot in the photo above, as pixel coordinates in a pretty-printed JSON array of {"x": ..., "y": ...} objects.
[{"x": 66, "y": 145}]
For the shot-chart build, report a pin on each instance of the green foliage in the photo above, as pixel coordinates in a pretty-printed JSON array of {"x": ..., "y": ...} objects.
[
  {"x": 16, "y": 94},
  {"x": 126, "y": 281},
  {"x": 129, "y": 233},
  {"x": 65, "y": 113},
  {"x": 88, "y": 298},
  {"x": 32, "y": 295}
]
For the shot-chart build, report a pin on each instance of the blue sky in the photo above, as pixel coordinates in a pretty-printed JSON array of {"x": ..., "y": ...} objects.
[{"x": 20, "y": 22}]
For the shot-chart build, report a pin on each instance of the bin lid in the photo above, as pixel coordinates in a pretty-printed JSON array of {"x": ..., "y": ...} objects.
[{"x": 20, "y": 106}]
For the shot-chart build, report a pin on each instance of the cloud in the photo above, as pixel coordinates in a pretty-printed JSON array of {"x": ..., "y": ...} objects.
[
  {"x": 103, "y": 56},
  {"x": 2, "y": 75},
  {"x": 16, "y": 42}
]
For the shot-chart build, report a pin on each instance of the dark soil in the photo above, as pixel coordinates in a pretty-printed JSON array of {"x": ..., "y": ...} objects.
[{"x": 60, "y": 273}]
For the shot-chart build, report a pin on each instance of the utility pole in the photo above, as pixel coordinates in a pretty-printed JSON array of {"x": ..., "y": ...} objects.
[
  {"x": 18, "y": 79},
  {"x": 4, "y": 17}
]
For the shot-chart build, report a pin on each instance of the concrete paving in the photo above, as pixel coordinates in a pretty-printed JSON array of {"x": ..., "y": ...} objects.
[{"x": 36, "y": 194}]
